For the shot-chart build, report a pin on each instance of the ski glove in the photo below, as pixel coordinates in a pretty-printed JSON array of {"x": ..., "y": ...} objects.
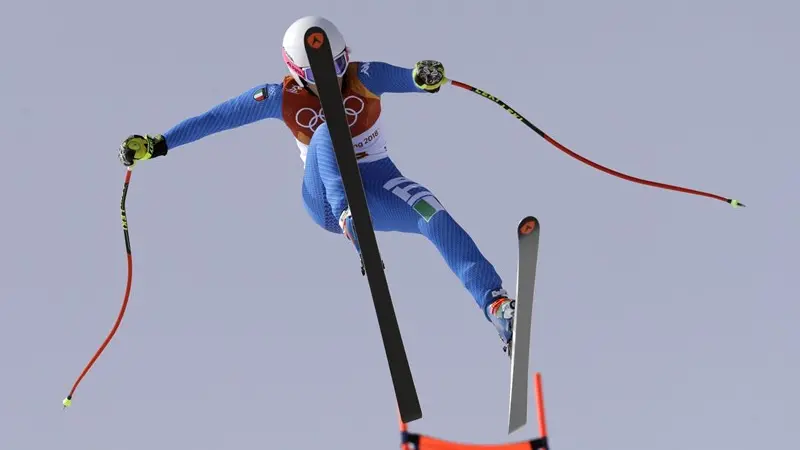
[
  {"x": 429, "y": 75},
  {"x": 137, "y": 147}
]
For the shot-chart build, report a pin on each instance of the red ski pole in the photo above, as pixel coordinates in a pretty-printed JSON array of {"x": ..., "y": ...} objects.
[
  {"x": 484, "y": 94},
  {"x": 68, "y": 401}
]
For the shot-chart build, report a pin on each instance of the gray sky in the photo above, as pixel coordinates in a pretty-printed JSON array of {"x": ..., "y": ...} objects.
[{"x": 659, "y": 316}]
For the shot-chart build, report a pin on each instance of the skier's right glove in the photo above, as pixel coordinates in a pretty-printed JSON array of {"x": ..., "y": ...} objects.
[{"x": 137, "y": 148}]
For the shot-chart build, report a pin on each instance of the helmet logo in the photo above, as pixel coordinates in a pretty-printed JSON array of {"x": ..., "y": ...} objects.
[{"x": 315, "y": 40}]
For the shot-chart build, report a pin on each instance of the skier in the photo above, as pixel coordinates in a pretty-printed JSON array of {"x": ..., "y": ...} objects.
[{"x": 396, "y": 203}]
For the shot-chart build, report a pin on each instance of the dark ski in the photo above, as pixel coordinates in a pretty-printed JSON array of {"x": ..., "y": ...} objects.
[
  {"x": 528, "y": 243},
  {"x": 321, "y": 59}
]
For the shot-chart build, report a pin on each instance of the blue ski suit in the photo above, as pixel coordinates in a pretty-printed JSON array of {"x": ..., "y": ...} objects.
[{"x": 396, "y": 203}]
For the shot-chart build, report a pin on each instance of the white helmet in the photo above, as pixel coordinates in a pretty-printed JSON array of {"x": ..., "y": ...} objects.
[{"x": 294, "y": 50}]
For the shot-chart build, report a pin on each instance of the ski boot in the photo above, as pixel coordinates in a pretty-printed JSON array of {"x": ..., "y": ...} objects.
[
  {"x": 346, "y": 223},
  {"x": 501, "y": 313}
]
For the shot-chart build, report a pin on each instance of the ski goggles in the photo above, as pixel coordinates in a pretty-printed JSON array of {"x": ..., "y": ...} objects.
[{"x": 340, "y": 63}]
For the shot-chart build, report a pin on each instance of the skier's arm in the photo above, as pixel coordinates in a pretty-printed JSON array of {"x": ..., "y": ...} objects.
[
  {"x": 234, "y": 112},
  {"x": 258, "y": 103},
  {"x": 380, "y": 77}
]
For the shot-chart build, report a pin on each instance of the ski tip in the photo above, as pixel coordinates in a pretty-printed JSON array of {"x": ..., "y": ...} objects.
[
  {"x": 316, "y": 39},
  {"x": 527, "y": 225},
  {"x": 736, "y": 203}
]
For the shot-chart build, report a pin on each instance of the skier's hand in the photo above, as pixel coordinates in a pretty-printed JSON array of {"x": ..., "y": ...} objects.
[
  {"x": 429, "y": 75},
  {"x": 137, "y": 147}
]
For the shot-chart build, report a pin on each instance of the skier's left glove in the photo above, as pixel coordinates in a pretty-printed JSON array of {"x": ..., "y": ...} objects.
[
  {"x": 137, "y": 147},
  {"x": 429, "y": 75}
]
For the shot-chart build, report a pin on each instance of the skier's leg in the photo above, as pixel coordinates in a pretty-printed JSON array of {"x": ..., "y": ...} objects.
[
  {"x": 314, "y": 193},
  {"x": 464, "y": 258},
  {"x": 327, "y": 171},
  {"x": 400, "y": 204}
]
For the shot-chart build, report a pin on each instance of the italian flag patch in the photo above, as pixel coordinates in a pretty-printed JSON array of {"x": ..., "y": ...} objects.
[
  {"x": 427, "y": 207},
  {"x": 260, "y": 95}
]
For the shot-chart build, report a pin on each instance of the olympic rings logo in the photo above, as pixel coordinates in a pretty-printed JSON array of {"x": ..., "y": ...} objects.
[{"x": 353, "y": 106}]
